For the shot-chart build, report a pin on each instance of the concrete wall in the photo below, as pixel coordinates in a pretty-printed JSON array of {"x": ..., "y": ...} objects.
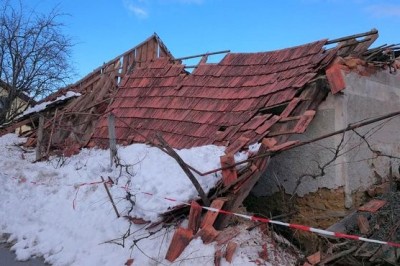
[{"x": 357, "y": 167}]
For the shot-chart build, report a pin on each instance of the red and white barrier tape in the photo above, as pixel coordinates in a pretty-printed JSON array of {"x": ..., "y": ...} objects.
[
  {"x": 294, "y": 226},
  {"x": 248, "y": 217}
]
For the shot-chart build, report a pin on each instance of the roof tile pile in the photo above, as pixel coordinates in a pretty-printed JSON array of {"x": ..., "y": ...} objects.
[{"x": 240, "y": 99}]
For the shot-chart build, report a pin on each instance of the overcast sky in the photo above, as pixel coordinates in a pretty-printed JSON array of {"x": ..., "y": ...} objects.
[{"x": 103, "y": 29}]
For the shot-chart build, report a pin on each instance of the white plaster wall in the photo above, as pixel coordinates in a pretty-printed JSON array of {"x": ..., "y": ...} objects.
[{"x": 354, "y": 169}]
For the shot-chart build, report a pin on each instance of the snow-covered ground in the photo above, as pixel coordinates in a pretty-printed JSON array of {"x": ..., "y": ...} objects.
[{"x": 59, "y": 210}]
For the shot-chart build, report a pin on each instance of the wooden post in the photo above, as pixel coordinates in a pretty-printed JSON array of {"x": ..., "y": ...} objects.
[
  {"x": 170, "y": 151},
  {"x": 110, "y": 197},
  {"x": 39, "y": 138},
  {"x": 51, "y": 133},
  {"x": 111, "y": 136}
]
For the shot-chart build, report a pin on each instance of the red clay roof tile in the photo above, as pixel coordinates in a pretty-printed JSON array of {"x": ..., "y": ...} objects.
[{"x": 215, "y": 101}]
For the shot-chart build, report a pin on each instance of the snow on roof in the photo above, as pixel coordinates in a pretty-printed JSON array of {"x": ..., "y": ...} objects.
[{"x": 42, "y": 106}]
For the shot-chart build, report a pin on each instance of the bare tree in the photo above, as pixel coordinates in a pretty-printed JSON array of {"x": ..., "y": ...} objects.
[{"x": 34, "y": 55}]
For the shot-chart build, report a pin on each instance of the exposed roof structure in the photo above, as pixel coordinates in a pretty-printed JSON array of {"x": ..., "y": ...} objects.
[
  {"x": 236, "y": 102},
  {"x": 76, "y": 121}
]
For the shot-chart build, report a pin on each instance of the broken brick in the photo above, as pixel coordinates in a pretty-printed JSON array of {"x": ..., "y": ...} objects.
[
  {"x": 335, "y": 78},
  {"x": 210, "y": 216},
  {"x": 179, "y": 242},
  {"x": 227, "y": 235},
  {"x": 217, "y": 257},
  {"x": 304, "y": 121},
  {"x": 129, "y": 262},
  {"x": 269, "y": 142},
  {"x": 372, "y": 206},
  {"x": 208, "y": 234},
  {"x": 314, "y": 258},
  {"x": 229, "y": 175},
  {"x": 230, "y": 250},
  {"x": 363, "y": 224},
  {"x": 264, "y": 253}
]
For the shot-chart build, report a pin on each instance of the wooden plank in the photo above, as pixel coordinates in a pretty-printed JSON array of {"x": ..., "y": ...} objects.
[
  {"x": 293, "y": 103},
  {"x": 111, "y": 136},
  {"x": 39, "y": 141},
  {"x": 283, "y": 145},
  {"x": 244, "y": 177},
  {"x": 236, "y": 200},
  {"x": 51, "y": 133},
  {"x": 229, "y": 176},
  {"x": 171, "y": 152},
  {"x": 267, "y": 124},
  {"x": 236, "y": 197}
]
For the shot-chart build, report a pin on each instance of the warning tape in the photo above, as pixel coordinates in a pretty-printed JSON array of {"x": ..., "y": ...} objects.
[
  {"x": 248, "y": 217},
  {"x": 290, "y": 225}
]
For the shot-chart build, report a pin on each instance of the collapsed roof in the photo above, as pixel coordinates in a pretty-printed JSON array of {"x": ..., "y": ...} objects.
[
  {"x": 243, "y": 98},
  {"x": 236, "y": 102}
]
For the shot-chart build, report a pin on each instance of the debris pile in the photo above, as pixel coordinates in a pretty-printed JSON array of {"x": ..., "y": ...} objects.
[{"x": 377, "y": 219}]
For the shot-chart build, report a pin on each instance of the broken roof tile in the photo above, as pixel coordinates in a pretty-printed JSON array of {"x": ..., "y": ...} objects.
[{"x": 214, "y": 102}]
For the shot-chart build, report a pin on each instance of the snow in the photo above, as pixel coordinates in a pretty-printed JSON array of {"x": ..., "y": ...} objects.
[
  {"x": 244, "y": 155},
  {"x": 50, "y": 209},
  {"x": 43, "y": 105}
]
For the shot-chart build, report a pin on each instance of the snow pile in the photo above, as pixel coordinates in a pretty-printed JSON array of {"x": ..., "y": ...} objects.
[
  {"x": 37, "y": 214},
  {"x": 43, "y": 105}
]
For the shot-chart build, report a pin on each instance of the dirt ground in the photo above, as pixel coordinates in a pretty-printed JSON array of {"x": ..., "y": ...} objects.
[{"x": 320, "y": 209}]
